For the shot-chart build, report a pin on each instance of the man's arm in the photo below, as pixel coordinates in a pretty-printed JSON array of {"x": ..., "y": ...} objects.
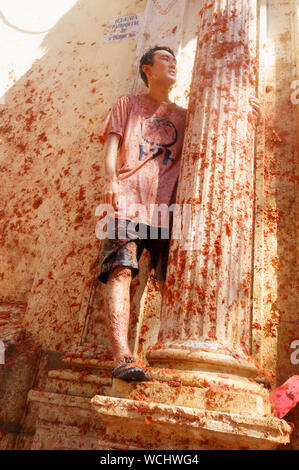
[{"x": 110, "y": 195}]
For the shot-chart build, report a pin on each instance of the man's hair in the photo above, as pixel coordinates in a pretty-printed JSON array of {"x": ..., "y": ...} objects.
[{"x": 148, "y": 59}]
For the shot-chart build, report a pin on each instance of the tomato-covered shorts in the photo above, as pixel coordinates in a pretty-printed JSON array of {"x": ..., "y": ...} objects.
[{"x": 125, "y": 243}]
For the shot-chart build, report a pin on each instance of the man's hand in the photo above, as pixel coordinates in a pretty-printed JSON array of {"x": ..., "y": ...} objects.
[
  {"x": 110, "y": 193},
  {"x": 256, "y": 107}
]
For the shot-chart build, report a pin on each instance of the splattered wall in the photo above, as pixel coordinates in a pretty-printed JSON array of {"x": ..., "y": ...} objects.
[{"x": 60, "y": 85}]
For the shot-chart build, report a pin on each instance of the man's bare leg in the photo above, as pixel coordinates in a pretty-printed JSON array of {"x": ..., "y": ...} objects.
[{"x": 117, "y": 300}]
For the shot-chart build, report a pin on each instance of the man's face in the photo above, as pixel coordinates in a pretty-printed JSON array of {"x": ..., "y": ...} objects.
[{"x": 163, "y": 69}]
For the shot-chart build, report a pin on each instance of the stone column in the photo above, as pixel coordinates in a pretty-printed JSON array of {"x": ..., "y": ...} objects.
[{"x": 205, "y": 318}]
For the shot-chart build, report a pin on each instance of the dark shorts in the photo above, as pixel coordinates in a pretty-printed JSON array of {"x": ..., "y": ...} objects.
[{"x": 124, "y": 247}]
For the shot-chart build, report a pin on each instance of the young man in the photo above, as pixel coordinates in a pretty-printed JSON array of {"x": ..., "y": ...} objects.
[{"x": 144, "y": 137}]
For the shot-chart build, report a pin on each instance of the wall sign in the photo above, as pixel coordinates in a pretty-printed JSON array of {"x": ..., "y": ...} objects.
[{"x": 123, "y": 27}]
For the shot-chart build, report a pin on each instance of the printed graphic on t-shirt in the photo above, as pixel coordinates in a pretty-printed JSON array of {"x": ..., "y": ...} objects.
[
  {"x": 158, "y": 134},
  {"x": 149, "y": 154}
]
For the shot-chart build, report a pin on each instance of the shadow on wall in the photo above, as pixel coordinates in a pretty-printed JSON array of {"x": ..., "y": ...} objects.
[{"x": 50, "y": 159}]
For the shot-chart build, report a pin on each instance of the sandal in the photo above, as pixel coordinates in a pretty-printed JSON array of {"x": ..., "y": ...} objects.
[{"x": 127, "y": 368}]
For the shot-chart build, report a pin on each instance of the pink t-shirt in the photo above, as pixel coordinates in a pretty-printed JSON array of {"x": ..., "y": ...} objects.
[{"x": 149, "y": 155}]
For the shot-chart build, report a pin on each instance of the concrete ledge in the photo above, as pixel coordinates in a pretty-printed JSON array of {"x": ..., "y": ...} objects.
[{"x": 159, "y": 426}]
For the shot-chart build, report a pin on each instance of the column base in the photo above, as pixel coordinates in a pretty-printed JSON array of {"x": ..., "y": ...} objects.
[
  {"x": 198, "y": 389},
  {"x": 132, "y": 424},
  {"x": 191, "y": 358},
  {"x": 179, "y": 409}
]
